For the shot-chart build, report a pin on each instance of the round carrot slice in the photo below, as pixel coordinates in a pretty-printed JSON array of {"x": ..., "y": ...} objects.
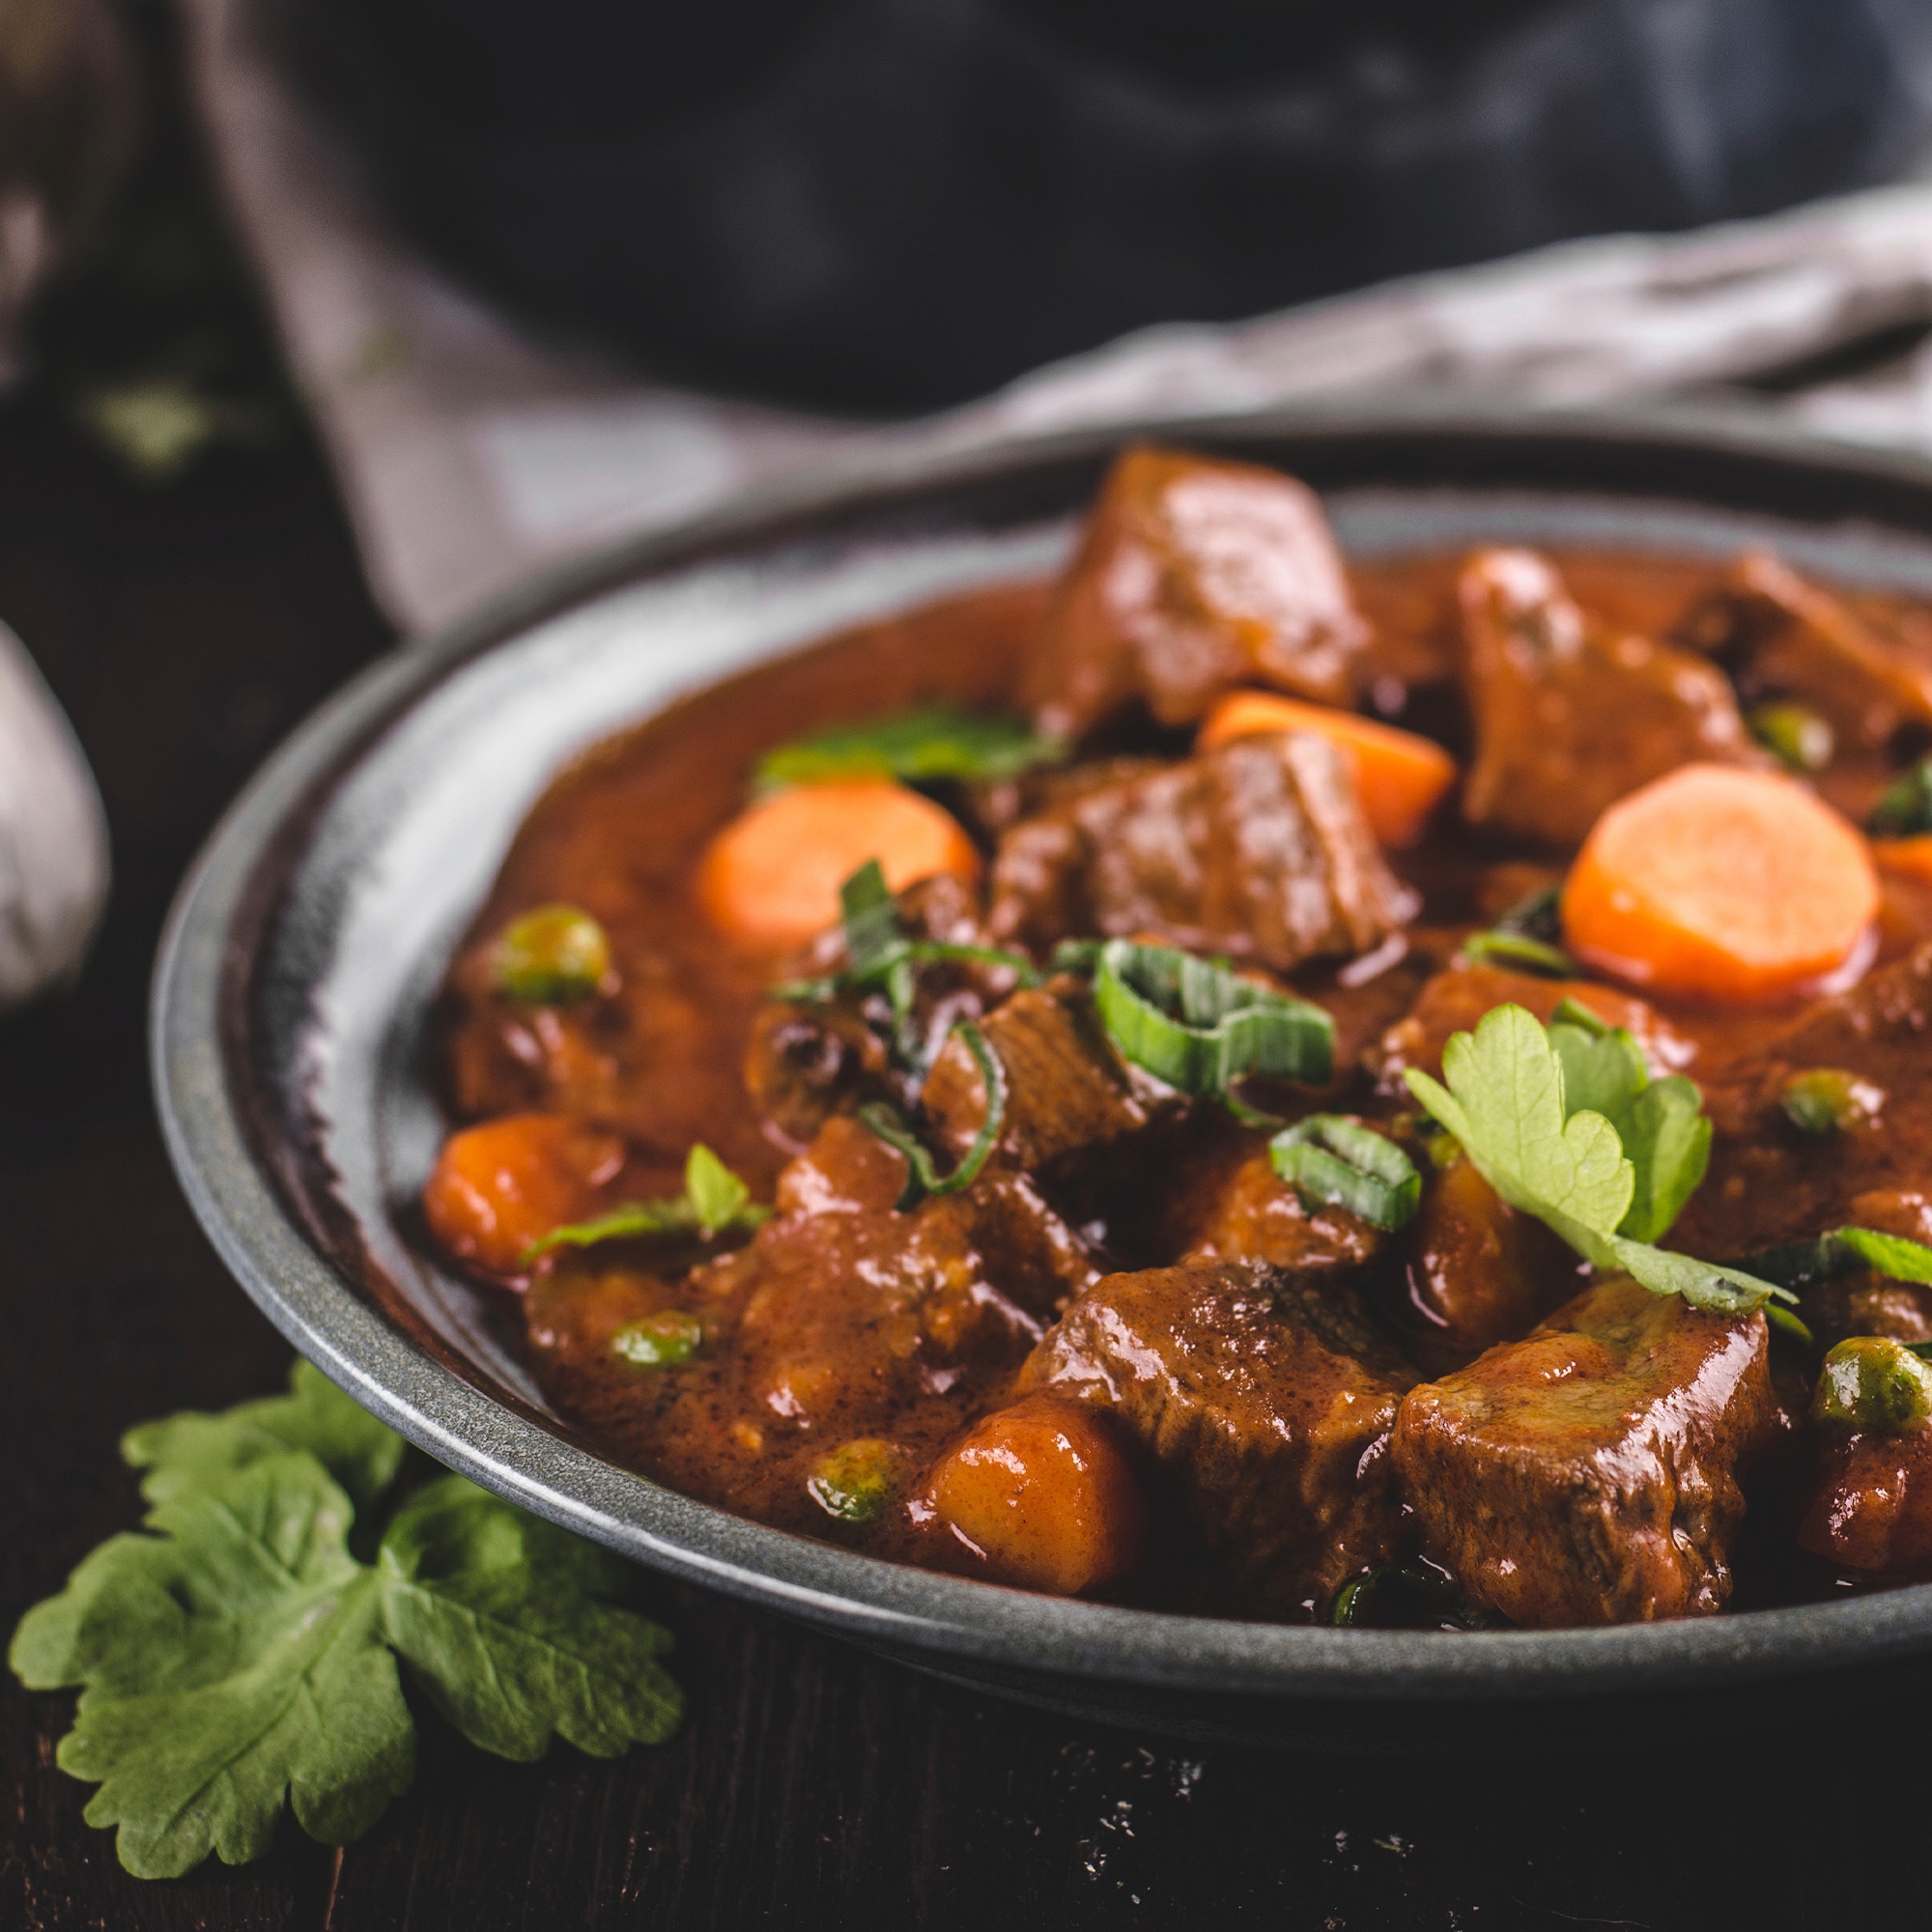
[
  {"x": 1400, "y": 777},
  {"x": 497, "y": 1187},
  {"x": 1910, "y": 858},
  {"x": 1724, "y": 884},
  {"x": 771, "y": 877}
]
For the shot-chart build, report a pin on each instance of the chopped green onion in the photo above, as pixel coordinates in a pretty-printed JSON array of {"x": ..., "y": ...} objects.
[
  {"x": 1872, "y": 1383},
  {"x": 1783, "y": 1323},
  {"x": 855, "y": 1482},
  {"x": 922, "y": 1177},
  {"x": 1536, "y": 915},
  {"x": 1518, "y": 950},
  {"x": 1905, "y": 809},
  {"x": 1825, "y": 1101},
  {"x": 550, "y": 956},
  {"x": 1798, "y": 738},
  {"x": 1340, "y": 1163},
  {"x": 1801, "y": 1265},
  {"x": 879, "y": 956},
  {"x": 1199, "y": 1028},
  {"x": 665, "y": 1340},
  {"x": 921, "y": 747},
  {"x": 715, "y": 1202}
]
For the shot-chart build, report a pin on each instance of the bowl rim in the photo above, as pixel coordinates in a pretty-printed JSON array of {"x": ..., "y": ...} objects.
[{"x": 921, "y": 1613}]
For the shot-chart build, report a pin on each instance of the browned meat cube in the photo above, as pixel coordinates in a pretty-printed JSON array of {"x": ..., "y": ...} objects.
[
  {"x": 1479, "y": 1272},
  {"x": 1769, "y": 1184},
  {"x": 1454, "y": 1001},
  {"x": 1067, "y": 1090},
  {"x": 1194, "y": 576},
  {"x": 1868, "y": 1504},
  {"x": 1258, "y": 849},
  {"x": 1785, "y": 637},
  {"x": 1254, "y": 1396},
  {"x": 1569, "y": 718},
  {"x": 1589, "y": 1473},
  {"x": 1218, "y": 1198}
]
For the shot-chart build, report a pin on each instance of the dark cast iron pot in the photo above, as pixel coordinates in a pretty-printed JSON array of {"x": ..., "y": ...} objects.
[{"x": 296, "y": 982}]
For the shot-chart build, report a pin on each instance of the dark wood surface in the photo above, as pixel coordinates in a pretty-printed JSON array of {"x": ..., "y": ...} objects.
[{"x": 186, "y": 627}]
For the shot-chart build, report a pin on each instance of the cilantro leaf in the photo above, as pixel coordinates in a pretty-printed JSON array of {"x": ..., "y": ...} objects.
[
  {"x": 1507, "y": 1101},
  {"x": 182, "y": 1451},
  {"x": 715, "y": 1202},
  {"x": 229, "y": 1660},
  {"x": 239, "y": 1656},
  {"x": 506, "y": 1623},
  {"x": 929, "y": 743}
]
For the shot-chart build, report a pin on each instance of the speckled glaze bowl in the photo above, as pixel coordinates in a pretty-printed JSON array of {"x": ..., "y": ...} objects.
[{"x": 295, "y": 985}]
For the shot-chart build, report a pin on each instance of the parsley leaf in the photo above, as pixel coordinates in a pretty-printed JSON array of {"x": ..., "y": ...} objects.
[
  {"x": 921, "y": 746},
  {"x": 1507, "y": 1102},
  {"x": 182, "y": 1451},
  {"x": 504, "y": 1623},
  {"x": 238, "y": 1656},
  {"x": 715, "y": 1202},
  {"x": 231, "y": 1658}
]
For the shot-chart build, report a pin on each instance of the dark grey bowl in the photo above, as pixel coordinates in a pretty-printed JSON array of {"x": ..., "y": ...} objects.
[{"x": 294, "y": 983}]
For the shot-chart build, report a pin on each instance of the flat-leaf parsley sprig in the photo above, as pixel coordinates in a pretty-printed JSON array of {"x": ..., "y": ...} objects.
[
  {"x": 1544, "y": 1113},
  {"x": 240, "y": 1656}
]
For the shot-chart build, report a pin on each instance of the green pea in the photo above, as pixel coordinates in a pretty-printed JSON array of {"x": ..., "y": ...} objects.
[
  {"x": 1827, "y": 1099},
  {"x": 660, "y": 1341},
  {"x": 1799, "y": 739},
  {"x": 855, "y": 1482},
  {"x": 551, "y": 955},
  {"x": 1871, "y": 1382}
]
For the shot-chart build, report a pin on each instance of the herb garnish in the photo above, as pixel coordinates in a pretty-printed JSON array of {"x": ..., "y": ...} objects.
[
  {"x": 1508, "y": 1101},
  {"x": 922, "y": 1177},
  {"x": 1201, "y": 1028},
  {"x": 880, "y": 959},
  {"x": 1906, "y": 808},
  {"x": 242, "y": 1655},
  {"x": 1801, "y": 1265},
  {"x": 923, "y": 746},
  {"x": 715, "y": 1202},
  {"x": 1342, "y": 1163}
]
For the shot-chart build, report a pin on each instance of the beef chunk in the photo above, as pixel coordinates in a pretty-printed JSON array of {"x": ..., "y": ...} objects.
[
  {"x": 851, "y": 1310},
  {"x": 1258, "y": 849},
  {"x": 1768, "y": 1183},
  {"x": 1785, "y": 637},
  {"x": 1867, "y": 1505},
  {"x": 1067, "y": 1091},
  {"x": 1589, "y": 1473},
  {"x": 1454, "y": 1001},
  {"x": 1193, "y": 575},
  {"x": 1477, "y": 1271},
  {"x": 1218, "y": 1198},
  {"x": 1569, "y": 718},
  {"x": 1265, "y": 1403}
]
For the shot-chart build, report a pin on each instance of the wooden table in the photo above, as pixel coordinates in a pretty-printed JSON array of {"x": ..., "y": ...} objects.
[{"x": 186, "y": 628}]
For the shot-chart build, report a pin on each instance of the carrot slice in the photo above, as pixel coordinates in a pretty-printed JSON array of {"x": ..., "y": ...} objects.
[
  {"x": 1401, "y": 776},
  {"x": 497, "y": 1188},
  {"x": 771, "y": 877},
  {"x": 1910, "y": 858},
  {"x": 1722, "y": 883}
]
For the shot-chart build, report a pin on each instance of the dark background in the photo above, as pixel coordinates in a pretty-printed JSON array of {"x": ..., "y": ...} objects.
[{"x": 186, "y": 626}]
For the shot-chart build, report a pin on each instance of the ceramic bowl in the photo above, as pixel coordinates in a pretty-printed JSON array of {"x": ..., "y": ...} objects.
[{"x": 296, "y": 982}]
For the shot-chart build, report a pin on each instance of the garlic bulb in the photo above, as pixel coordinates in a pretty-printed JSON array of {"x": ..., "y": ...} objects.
[{"x": 54, "y": 835}]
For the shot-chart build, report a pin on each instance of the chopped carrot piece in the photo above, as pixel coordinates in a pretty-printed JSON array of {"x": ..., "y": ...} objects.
[
  {"x": 1909, "y": 858},
  {"x": 1044, "y": 1493},
  {"x": 771, "y": 877},
  {"x": 1722, "y": 883},
  {"x": 497, "y": 1188},
  {"x": 1401, "y": 776}
]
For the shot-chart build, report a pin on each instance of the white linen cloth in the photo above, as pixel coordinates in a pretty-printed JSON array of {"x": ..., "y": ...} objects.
[{"x": 470, "y": 449}]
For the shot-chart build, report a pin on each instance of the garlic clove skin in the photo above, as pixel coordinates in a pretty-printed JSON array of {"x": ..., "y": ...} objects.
[{"x": 54, "y": 869}]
